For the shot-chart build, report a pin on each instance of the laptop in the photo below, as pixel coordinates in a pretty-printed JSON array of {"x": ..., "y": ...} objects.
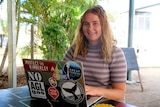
[{"x": 60, "y": 82}]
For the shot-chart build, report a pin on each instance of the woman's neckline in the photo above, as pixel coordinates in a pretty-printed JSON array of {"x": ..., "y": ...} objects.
[{"x": 98, "y": 46}]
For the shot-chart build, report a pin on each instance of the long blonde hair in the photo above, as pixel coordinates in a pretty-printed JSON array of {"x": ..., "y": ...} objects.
[{"x": 107, "y": 40}]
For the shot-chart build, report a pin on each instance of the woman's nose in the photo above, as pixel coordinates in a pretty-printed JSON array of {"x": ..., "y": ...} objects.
[{"x": 90, "y": 27}]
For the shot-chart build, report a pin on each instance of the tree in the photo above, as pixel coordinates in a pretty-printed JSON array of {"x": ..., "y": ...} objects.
[
  {"x": 56, "y": 21},
  {"x": 58, "y": 17},
  {"x": 6, "y": 49}
]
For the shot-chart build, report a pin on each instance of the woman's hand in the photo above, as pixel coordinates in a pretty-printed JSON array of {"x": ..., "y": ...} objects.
[
  {"x": 93, "y": 91},
  {"x": 117, "y": 92}
]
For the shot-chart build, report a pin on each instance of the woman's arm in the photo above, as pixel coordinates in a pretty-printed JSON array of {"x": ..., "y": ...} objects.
[
  {"x": 118, "y": 71},
  {"x": 117, "y": 92}
]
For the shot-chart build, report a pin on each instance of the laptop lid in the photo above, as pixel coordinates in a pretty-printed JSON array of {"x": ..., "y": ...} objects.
[{"x": 61, "y": 82}]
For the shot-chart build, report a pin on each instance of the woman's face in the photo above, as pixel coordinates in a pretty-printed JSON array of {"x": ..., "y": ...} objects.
[{"x": 92, "y": 28}]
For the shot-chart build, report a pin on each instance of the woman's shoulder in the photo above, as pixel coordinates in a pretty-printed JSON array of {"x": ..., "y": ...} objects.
[{"x": 117, "y": 49}]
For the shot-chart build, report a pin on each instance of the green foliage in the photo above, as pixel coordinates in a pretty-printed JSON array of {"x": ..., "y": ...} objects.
[
  {"x": 54, "y": 41},
  {"x": 58, "y": 34},
  {"x": 24, "y": 51},
  {"x": 56, "y": 21}
]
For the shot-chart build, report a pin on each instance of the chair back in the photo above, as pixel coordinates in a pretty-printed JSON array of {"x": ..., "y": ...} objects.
[{"x": 131, "y": 59}]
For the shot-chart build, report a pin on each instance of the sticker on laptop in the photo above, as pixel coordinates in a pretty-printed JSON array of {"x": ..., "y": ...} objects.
[
  {"x": 59, "y": 73},
  {"x": 52, "y": 82},
  {"x": 73, "y": 70},
  {"x": 53, "y": 92},
  {"x": 72, "y": 92}
]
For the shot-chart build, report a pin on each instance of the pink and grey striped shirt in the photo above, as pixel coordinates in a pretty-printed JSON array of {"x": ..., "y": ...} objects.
[{"x": 96, "y": 71}]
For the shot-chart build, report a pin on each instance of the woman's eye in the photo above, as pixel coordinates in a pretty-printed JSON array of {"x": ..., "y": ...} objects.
[
  {"x": 95, "y": 24},
  {"x": 85, "y": 24}
]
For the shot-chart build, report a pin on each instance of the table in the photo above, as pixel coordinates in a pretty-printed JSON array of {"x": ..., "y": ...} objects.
[{"x": 20, "y": 97}]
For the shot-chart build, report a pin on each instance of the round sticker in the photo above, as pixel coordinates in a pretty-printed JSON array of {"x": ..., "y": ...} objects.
[
  {"x": 72, "y": 92},
  {"x": 73, "y": 70}
]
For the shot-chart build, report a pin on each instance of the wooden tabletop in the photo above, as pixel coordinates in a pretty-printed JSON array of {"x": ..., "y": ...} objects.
[{"x": 20, "y": 97}]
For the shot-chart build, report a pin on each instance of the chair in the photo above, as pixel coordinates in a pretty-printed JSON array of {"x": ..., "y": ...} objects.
[{"x": 132, "y": 63}]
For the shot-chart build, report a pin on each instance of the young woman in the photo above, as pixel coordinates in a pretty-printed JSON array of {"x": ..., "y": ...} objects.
[{"x": 104, "y": 63}]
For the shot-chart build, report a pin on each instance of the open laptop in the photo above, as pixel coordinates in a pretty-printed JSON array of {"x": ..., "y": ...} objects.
[{"x": 60, "y": 82}]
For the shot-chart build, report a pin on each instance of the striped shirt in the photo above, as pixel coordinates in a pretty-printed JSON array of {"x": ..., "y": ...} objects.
[{"x": 96, "y": 71}]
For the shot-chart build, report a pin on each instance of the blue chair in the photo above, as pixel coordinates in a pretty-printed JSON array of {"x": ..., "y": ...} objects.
[{"x": 132, "y": 63}]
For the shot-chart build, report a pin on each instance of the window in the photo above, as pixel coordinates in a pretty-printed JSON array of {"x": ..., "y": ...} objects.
[{"x": 142, "y": 20}]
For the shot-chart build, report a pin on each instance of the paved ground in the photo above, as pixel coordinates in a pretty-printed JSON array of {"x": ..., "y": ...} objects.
[{"x": 151, "y": 83}]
